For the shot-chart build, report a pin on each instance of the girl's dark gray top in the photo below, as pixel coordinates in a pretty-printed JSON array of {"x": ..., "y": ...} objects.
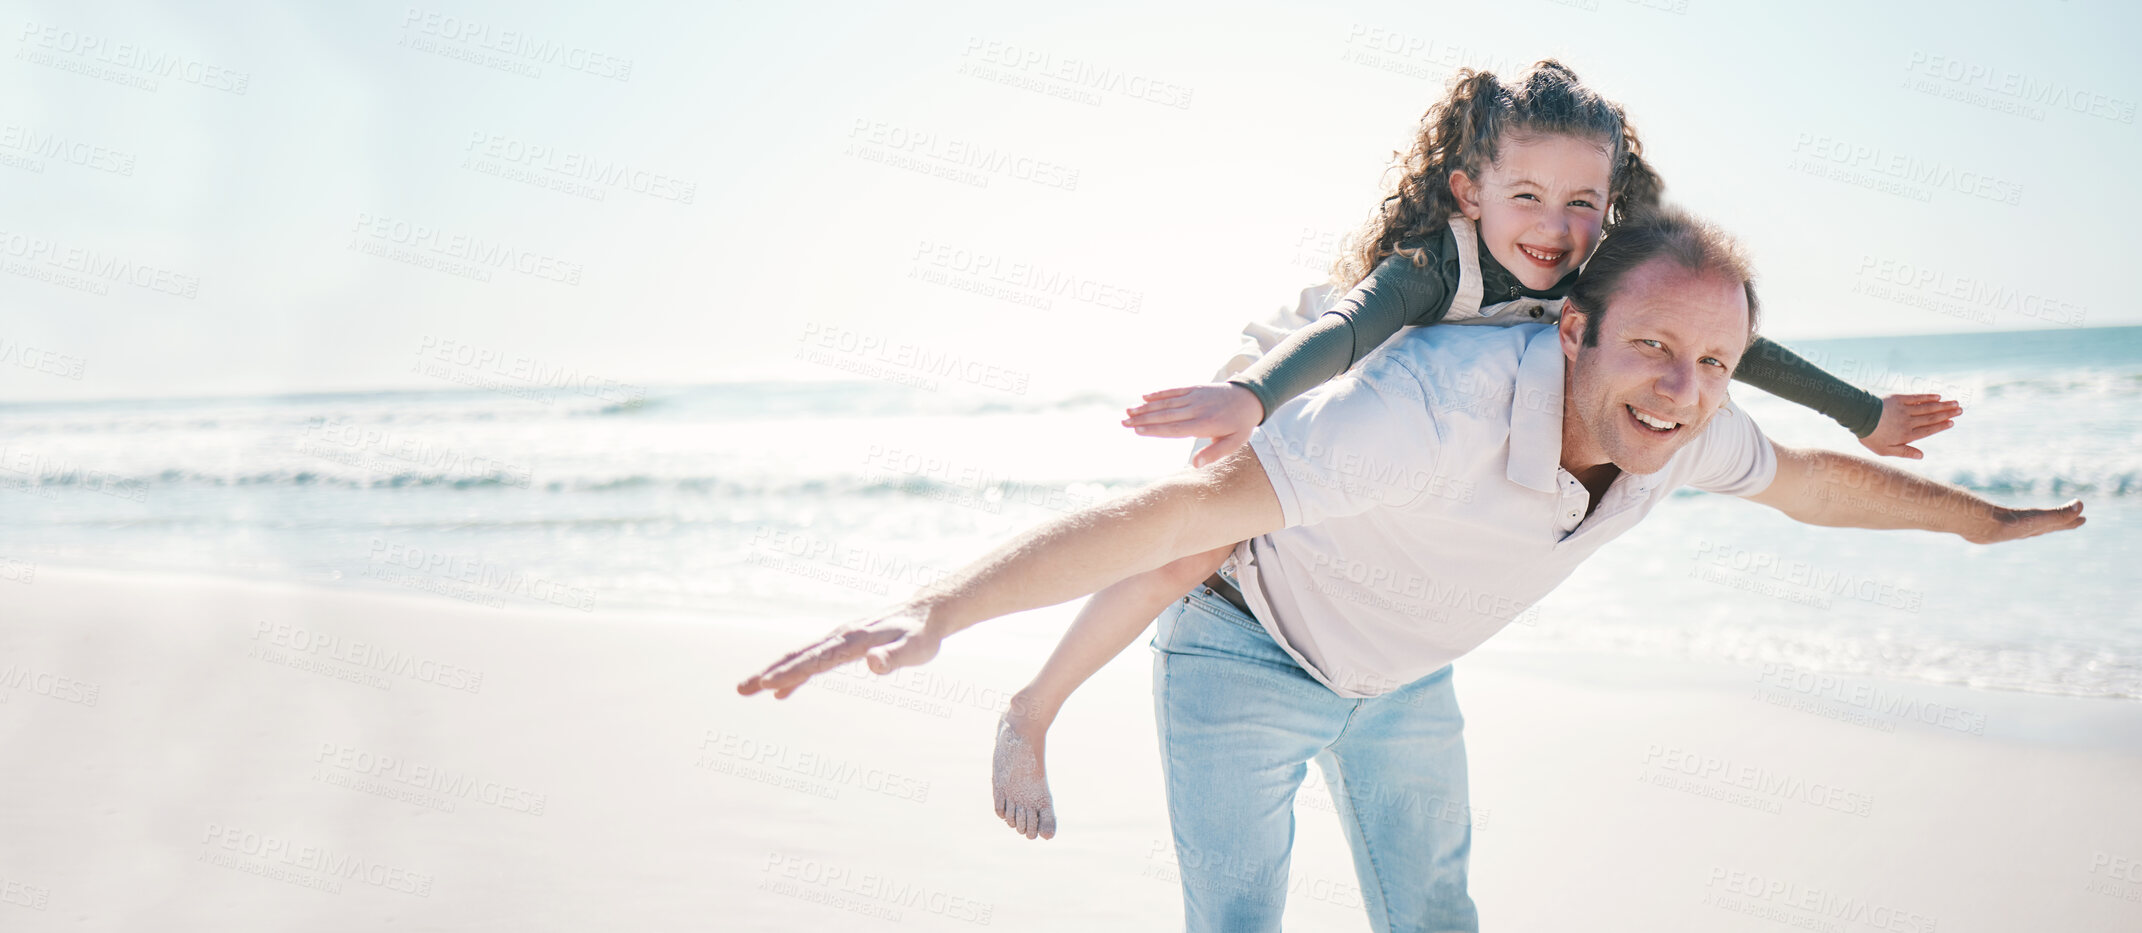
[{"x": 1400, "y": 293}]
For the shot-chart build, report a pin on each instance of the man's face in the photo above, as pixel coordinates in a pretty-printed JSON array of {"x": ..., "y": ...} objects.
[{"x": 1666, "y": 351}]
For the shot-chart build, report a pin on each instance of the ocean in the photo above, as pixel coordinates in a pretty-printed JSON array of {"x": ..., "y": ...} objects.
[{"x": 797, "y": 505}]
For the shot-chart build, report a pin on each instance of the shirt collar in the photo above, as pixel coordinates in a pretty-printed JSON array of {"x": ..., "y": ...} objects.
[{"x": 1536, "y": 413}]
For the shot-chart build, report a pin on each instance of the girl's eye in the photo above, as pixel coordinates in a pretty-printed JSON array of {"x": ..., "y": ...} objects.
[
  {"x": 1580, "y": 203},
  {"x": 1528, "y": 195}
]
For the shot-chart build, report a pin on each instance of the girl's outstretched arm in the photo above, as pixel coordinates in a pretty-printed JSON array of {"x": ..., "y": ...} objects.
[
  {"x": 1886, "y": 426},
  {"x": 1107, "y": 624},
  {"x": 1395, "y": 295}
]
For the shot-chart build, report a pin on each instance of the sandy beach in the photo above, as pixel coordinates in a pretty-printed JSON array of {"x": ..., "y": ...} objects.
[
  {"x": 201, "y": 754},
  {"x": 416, "y": 421}
]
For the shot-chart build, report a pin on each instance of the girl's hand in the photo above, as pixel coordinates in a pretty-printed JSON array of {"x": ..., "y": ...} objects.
[
  {"x": 1907, "y": 418},
  {"x": 1222, "y": 411}
]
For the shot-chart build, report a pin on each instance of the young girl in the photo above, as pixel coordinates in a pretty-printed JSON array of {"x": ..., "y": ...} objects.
[{"x": 1535, "y": 172}]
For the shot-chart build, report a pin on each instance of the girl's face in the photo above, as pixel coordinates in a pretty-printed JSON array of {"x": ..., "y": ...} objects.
[{"x": 1540, "y": 206}]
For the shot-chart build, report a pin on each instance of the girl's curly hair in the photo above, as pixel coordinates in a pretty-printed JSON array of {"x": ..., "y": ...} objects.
[{"x": 1462, "y": 131}]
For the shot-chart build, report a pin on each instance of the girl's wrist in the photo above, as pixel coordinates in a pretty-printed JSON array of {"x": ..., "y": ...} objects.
[{"x": 1255, "y": 404}]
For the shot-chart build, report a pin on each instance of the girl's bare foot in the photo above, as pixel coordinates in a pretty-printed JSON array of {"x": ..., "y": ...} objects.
[{"x": 1020, "y": 785}]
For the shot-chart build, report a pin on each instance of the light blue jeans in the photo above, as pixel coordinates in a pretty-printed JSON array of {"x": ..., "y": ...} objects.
[{"x": 1239, "y": 722}]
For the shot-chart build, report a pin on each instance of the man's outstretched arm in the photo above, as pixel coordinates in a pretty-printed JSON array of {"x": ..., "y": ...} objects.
[
  {"x": 1822, "y": 487},
  {"x": 1069, "y": 557}
]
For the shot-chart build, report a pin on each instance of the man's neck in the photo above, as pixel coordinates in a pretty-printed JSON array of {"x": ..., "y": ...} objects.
[
  {"x": 1582, "y": 455},
  {"x": 1596, "y": 479}
]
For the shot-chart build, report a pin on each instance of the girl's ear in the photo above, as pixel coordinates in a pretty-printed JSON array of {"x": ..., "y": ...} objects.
[{"x": 1463, "y": 188}]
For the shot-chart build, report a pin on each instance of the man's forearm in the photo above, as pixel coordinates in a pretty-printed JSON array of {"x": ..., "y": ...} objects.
[
  {"x": 1822, "y": 487},
  {"x": 1085, "y": 551}
]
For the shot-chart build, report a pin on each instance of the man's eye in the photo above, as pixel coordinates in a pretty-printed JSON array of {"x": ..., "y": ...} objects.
[
  {"x": 1646, "y": 341},
  {"x": 1714, "y": 361}
]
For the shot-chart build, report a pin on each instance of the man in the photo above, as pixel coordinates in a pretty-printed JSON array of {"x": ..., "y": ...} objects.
[{"x": 1391, "y": 521}]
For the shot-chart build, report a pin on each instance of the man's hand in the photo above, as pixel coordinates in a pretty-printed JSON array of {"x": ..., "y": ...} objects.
[
  {"x": 1907, "y": 418},
  {"x": 891, "y": 641},
  {"x": 1222, "y": 411},
  {"x": 1822, "y": 487},
  {"x": 1067, "y": 557},
  {"x": 2011, "y": 524}
]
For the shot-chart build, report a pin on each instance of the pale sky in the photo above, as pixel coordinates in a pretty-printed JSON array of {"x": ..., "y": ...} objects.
[{"x": 222, "y": 198}]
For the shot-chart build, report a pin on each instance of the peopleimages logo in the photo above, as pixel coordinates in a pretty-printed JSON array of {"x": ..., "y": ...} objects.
[
  {"x": 423, "y": 779},
  {"x": 272, "y": 640},
  {"x": 94, "y": 268},
  {"x": 512, "y": 50},
  {"x": 519, "y": 376},
  {"x": 129, "y": 63},
  {"x": 35, "y": 144},
  {"x": 473, "y": 253},
  {"x": 905, "y": 363},
  {"x": 258, "y": 853},
  {"x": 566, "y": 164},
  {"x": 464, "y": 575},
  {"x": 950, "y": 157},
  {"x": 1076, "y": 79},
  {"x": 1870, "y": 697},
  {"x": 2010, "y": 91}
]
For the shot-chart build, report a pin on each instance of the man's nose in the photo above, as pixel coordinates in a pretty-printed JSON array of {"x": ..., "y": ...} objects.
[{"x": 1678, "y": 384}]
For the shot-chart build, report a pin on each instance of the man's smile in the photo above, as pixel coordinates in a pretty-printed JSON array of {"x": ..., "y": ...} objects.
[{"x": 1651, "y": 423}]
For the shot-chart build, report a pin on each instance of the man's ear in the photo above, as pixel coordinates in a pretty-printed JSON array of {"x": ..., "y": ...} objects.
[
  {"x": 1571, "y": 330},
  {"x": 1467, "y": 192}
]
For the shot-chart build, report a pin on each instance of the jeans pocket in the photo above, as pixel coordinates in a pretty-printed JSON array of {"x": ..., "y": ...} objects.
[
  {"x": 1219, "y": 607},
  {"x": 1205, "y": 623}
]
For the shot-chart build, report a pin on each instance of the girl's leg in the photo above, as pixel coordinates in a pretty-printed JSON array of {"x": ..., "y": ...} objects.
[{"x": 1108, "y": 623}]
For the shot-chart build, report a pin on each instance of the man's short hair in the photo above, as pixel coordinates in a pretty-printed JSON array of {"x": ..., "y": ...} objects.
[{"x": 1667, "y": 232}]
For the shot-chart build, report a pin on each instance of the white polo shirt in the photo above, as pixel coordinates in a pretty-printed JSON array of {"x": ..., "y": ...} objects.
[{"x": 1426, "y": 504}]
